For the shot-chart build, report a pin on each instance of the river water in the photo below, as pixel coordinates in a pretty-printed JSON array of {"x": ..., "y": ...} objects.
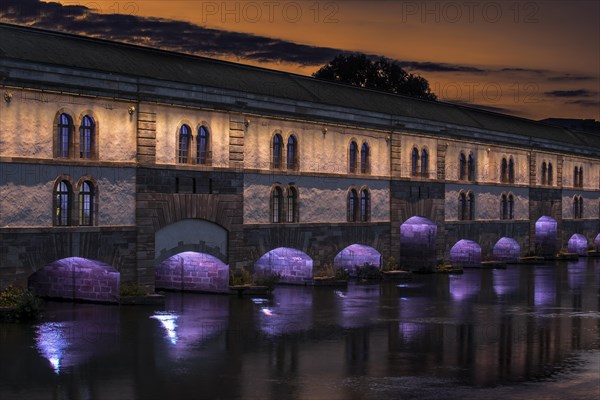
[{"x": 526, "y": 332}]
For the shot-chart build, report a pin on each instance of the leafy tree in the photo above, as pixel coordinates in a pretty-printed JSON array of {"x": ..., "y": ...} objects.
[{"x": 381, "y": 74}]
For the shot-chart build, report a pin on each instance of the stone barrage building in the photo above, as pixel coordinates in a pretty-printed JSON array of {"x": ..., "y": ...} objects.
[{"x": 121, "y": 164}]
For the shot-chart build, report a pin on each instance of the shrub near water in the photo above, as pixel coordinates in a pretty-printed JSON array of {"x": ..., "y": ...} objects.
[{"x": 22, "y": 304}]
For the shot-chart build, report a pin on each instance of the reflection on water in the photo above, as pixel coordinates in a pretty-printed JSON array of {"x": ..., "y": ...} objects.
[{"x": 433, "y": 335}]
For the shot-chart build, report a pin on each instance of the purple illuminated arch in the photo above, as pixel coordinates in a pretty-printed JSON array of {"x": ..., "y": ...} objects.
[
  {"x": 466, "y": 253},
  {"x": 545, "y": 236},
  {"x": 78, "y": 279},
  {"x": 293, "y": 266},
  {"x": 597, "y": 242},
  {"x": 417, "y": 243},
  {"x": 193, "y": 271},
  {"x": 507, "y": 250},
  {"x": 356, "y": 256},
  {"x": 578, "y": 244}
]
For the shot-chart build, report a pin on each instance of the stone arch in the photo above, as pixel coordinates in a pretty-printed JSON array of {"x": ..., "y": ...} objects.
[
  {"x": 578, "y": 244},
  {"x": 77, "y": 278},
  {"x": 545, "y": 236},
  {"x": 417, "y": 243},
  {"x": 507, "y": 250},
  {"x": 466, "y": 253},
  {"x": 192, "y": 234},
  {"x": 356, "y": 256},
  {"x": 193, "y": 271},
  {"x": 597, "y": 242},
  {"x": 294, "y": 266}
]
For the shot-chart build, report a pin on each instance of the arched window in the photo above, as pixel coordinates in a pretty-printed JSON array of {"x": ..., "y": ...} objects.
[
  {"x": 503, "y": 207},
  {"x": 292, "y": 153},
  {"x": 364, "y": 159},
  {"x": 87, "y": 132},
  {"x": 415, "y": 162},
  {"x": 292, "y": 204},
  {"x": 580, "y": 177},
  {"x": 365, "y": 205},
  {"x": 64, "y": 135},
  {"x": 277, "y": 205},
  {"x": 576, "y": 177},
  {"x": 511, "y": 170},
  {"x": 62, "y": 203},
  {"x": 424, "y": 163},
  {"x": 511, "y": 206},
  {"x": 470, "y": 206},
  {"x": 86, "y": 203},
  {"x": 462, "y": 206},
  {"x": 504, "y": 171},
  {"x": 580, "y": 207},
  {"x": 471, "y": 168},
  {"x": 462, "y": 167},
  {"x": 544, "y": 172},
  {"x": 352, "y": 206},
  {"x": 550, "y": 175},
  {"x": 184, "y": 144},
  {"x": 203, "y": 146},
  {"x": 576, "y": 207},
  {"x": 277, "y": 150},
  {"x": 353, "y": 157}
]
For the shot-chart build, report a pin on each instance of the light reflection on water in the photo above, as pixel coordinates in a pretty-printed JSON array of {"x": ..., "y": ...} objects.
[{"x": 458, "y": 333}]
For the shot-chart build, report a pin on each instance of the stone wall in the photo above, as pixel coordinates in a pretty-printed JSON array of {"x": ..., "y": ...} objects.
[
  {"x": 191, "y": 271},
  {"x": 486, "y": 235}
]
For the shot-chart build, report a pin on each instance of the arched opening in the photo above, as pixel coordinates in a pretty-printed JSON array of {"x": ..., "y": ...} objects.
[
  {"x": 196, "y": 235},
  {"x": 507, "y": 250},
  {"x": 193, "y": 271},
  {"x": 293, "y": 266},
  {"x": 545, "y": 236},
  {"x": 597, "y": 242},
  {"x": 578, "y": 244},
  {"x": 417, "y": 243},
  {"x": 356, "y": 256},
  {"x": 466, "y": 253},
  {"x": 77, "y": 278}
]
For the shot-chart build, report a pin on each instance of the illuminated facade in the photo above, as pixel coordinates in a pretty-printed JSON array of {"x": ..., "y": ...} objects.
[{"x": 135, "y": 158}]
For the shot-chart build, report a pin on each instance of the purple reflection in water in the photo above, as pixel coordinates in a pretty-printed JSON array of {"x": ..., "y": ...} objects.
[
  {"x": 293, "y": 265},
  {"x": 169, "y": 323},
  {"x": 505, "y": 281},
  {"x": 290, "y": 310},
  {"x": 545, "y": 235},
  {"x": 356, "y": 256},
  {"x": 417, "y": 243},
  {"x": 463, "y": 286},
  {"x": 465, "y": 253},
  {"x": 577, "y": 274},
  {"x": 52, "y": 342},
  {"x": 507, "y": 250},
  {"x": 193, "y": 271},
  {"x": 544, "y": 286},
  {"x": 578, "y": 244},
  {"x": 358, "y": 304},
  {"x": 77, "y": 278}
]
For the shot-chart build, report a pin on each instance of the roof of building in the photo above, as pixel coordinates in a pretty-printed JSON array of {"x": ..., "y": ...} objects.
[{"x": 48, "y": 47}]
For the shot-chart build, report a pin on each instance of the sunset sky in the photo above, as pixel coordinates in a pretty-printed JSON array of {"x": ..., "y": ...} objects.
[{"x": 534, "y": 59}]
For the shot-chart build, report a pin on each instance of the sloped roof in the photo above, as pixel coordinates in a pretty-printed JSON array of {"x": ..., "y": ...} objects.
[{"x": 47, "y": 47}]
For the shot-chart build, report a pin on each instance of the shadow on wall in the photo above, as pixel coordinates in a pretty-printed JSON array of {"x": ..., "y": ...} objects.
[
  {"x": 293, "y": 266},
  {"x": 77, "y": 278},
  {"x": 193, "y": 271}
]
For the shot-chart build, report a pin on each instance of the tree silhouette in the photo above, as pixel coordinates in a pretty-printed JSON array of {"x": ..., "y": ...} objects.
[{"x": 381, "y": 74}]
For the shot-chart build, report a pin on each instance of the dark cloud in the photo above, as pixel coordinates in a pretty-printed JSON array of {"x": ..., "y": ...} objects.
[
  {"x": 585, "y": 103},
  {"x": 570, "y": 93},
  {"x": 570, "y": 77},
  {"x": 439, "y": 67},
  {"x": 526, "y": 70}
]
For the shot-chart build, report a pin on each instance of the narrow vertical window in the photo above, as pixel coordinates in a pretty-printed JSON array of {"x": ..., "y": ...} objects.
[
  {"x": 277, "y": 151},
  {"x": 504, "y": 171},
  {"x": 511, "y": 170},
  {"x": 353, "y": 157},
  {"x": 550, "y": 175},
  {"x": 424, "y": 163},
  {"x": 462, "y": 206},
  {"x": 580, "y": 207},
  {"x": 462, "y": 167},
  {"x": 202, "y": 146},
  {"x": 503, "y": 207},
  {"x": 292, "y": 209},
  {"x": 352, "y": 206},
  {"x": 414, "y": 162},
  {"x": 580, "y": 177},
  {"x": 62, "y": 204},
  {"x": 471, "y": 168},
  {"x": 64, "y": 134},
  {"x": 86, "y": 137},
  {"x": 471, "y": 206},
  {"x": 544, "y": 173},
  {"x": 511, "y": 206},
  {"x": 277, "y": 205},
  {"x": 365, "y": 205},
  {"x": 575, "y": 177},
  {"x": 86, "y": 203},
  {"x": 292, "y": 150},
  {"x": 575, "y": 207},
  {"x": 364, "y": 159},
  {"x": 184, "y": 144}
]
